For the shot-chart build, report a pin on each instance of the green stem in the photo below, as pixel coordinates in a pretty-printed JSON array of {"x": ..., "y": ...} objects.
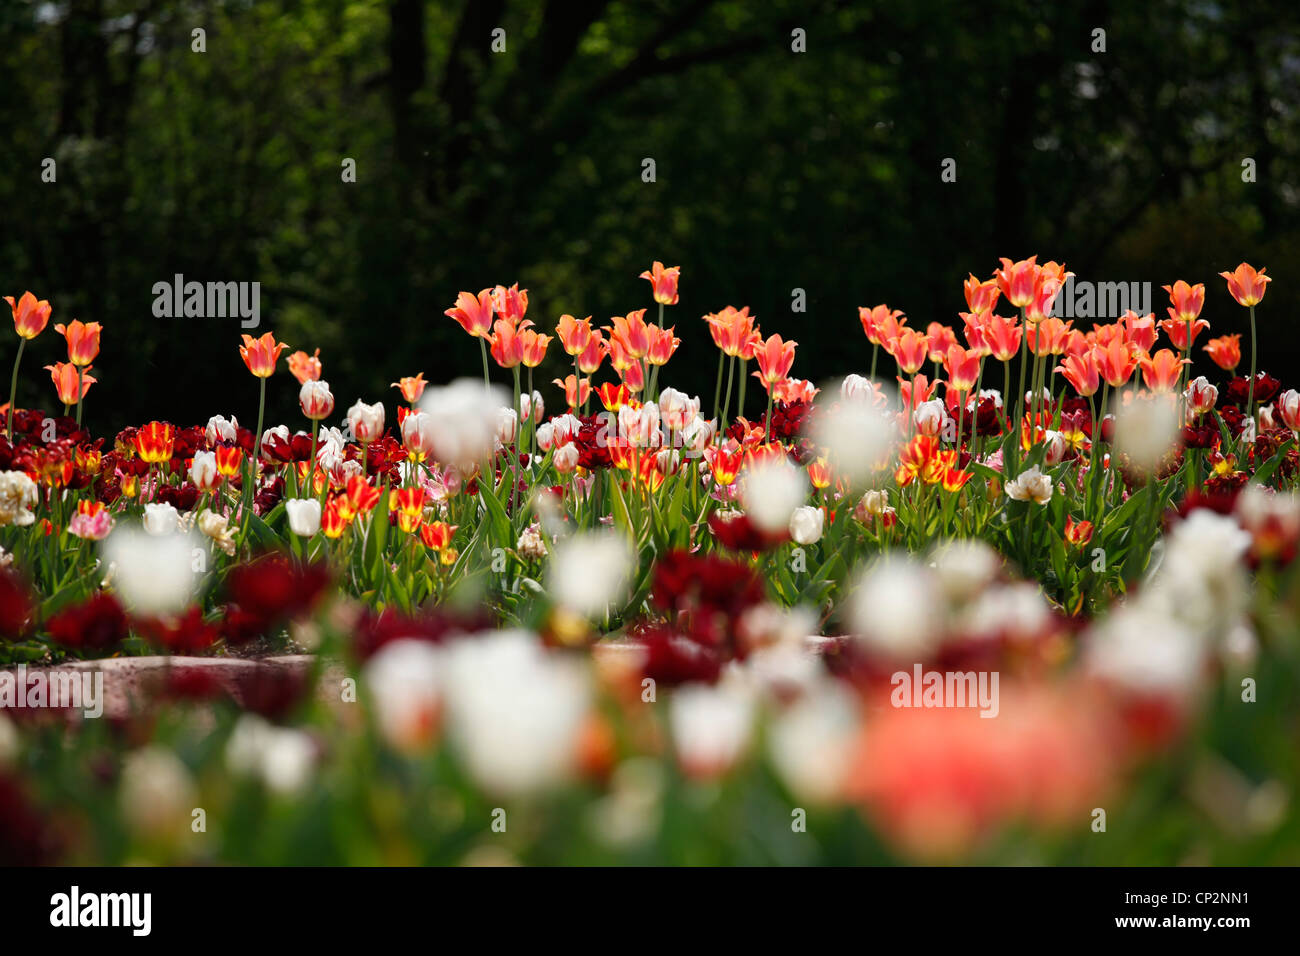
[
  {"x": 81, "y": 381},
  {"x": 13, "y": 386}
]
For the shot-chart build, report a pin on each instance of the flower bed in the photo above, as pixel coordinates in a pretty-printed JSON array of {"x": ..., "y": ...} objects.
[{"x": 914, "y": 618}]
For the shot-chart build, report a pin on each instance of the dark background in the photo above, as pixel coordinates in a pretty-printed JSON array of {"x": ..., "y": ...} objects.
[{"x": 775, "y": 170}]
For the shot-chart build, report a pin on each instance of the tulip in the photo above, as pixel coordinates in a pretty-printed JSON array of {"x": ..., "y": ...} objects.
[
  {"x": 70, "y": 382},
  {"x": 590, "y": 359},
  {"x": 260, "y": 355},
  {"x": 92, "y": 522},
  {"x": 229, "y": 459},
  {"x": 1140, "y": 330},
  {"x": 1247, "y": 286},
  {"x": 910, "y": 350},
  {"x": 1162, "y": 371},
  {"x": 1081, "y": 371},
  {"x": 664, "y": 284},
  {"x": 411, "y": 387},
  {"x": 203, "y": 471},
  {"x": 1077, "y": 533},
  {"x": 576, "y": 391},
  {"x": 566, "y": 458},
  {"x": 533, "y": 347},
  {"x": 160, "y": 519},
  {"x": 408, "y": 503},
  {"x": 510, "y": 304},
  {"x": 507, "y": 344},
  {"x": 473, "y": 313},
  {"x": 507, "y": 425},
  {"x": 1017, "y": 280},
  {"x": 806, "y": 523},
  {"x": 316, "y": 400},
  {"x": 305, "y": 368},
  {"x": 82, "y": 339},
  {"x": 417, "y": 436},
  {"x": 1200, "y": 395},
  {"x": 1116, "y": 363},
  {"x": 366, "y": 421},
  {"x": 1287, "y": 408},
  {"x": 1225, "y": 351},
  {"x": 221, "y": 430},
  {"x": 437, "y": 535},
  {"x": 30, "y": 319},
  {"x": 1030, "y": 485},
  {"x": 531, "y": 407},
  {"x": 154, "y": 441},
  {"x": 981, "y": 297}
]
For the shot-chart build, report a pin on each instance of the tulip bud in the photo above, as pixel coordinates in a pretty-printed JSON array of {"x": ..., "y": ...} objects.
[
  {"x": 507, "y": 425},
  {"x": 317, "y": 401},
  {"x": 546, "y": 436},
  {"x": 417, "y": 435},
  {"x": 533, "y": 405},
  {"x": 566, "y": 458},
  {"x": 806, "y": 525},
  {"x": 367, "y": 421},
  {"x": 1053, "y": 448},
  {"x": 304, "y": 516},
  {"x": 203, "y": 471},
  {"x": 160, "y": 519}
]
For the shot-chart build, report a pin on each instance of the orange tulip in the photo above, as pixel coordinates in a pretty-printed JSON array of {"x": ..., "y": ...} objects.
[
  {"x": 154, "y": 442},
  {"x": 590, "y": 358},
  {"x": 1048, "y": 336},
  {"x": 1225, "y": 351},
  {"x": 1077, "y": 533},
  {"x": 663, "y": 282},
  {"x": 1187, "y": 300},
  {"x": 437, "y": 534},
  {"x": 510, "y": 304},
  {"x": 409, "y": 505},
  {"x": 411, "y": 387},
  {"x": 1246, "y": 285},
  {"x": 574, "y": 334},
  {"x": 65, "y": 376},
  {"x": 575, "y": 392},
  {"x": 229, "y": 460},
  {"x": 910, "y": 350},
  {"x": 336, "y": 516},
  {"x": 362, "y": 496},
  {"x": 1115, "y": 362},
  {"x": 533, "y": 347},
  {"x": 1176, "y": 329},
  {"x": 260, "y": 355},
  {"x": 633, "y": 376},
  {"x": 662, "y": 345},
  {"x": 1002, "y": 336},
  {"x": 474, "y": 313},
  {"x": 1017, "y": 280},
  {"x": 819, "y": 473},
  {"x": 1081, "y": 371},
  {"x": 940, "y": 336},
  {"x": 1140, "y": 330},
  {"x": 775, "y": 358},
  {"x": 1163, "y": 371},
  {"x": 507, "y": 346},
  {"x": 725, "y": 465},
  {"x": 963, "y": 367},
  {"x": 305, "y": 368},
  {"x": 631, "y": 332},
  {"x": 881, "y": 324},
  {"x": 732, "y": 329},
  {"x": 82, "y": 339},
  {"x": 981, "y": 297},
  {"x": 613, "y": 397},
  {"x": 30, "y": 316}
]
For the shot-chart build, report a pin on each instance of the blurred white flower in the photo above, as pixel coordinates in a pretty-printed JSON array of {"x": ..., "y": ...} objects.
[
  {"x": 1146, "y": 430},
  {"x": 964, "y": 567},
  {"x": 402, "y": 690},
  {"x": 712, "y": 727},
  {"x": 464, "y": 421},
  {"x": 893, "y": 610},
  {"x": 1140, "y": 648},
  {"x": 589, "y": 571},
  {"x": 772, "y": 488},
  {"x": 858, "y": 434},
  {"x": 157, "y": 793},
  {"x": 515, "y": 710},
  {"x": 152, "y": 575},
  {"x": 280, "y": 757},
  {"x": 810, "y": 742},
  {"x": 1014, "y": 612}
]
